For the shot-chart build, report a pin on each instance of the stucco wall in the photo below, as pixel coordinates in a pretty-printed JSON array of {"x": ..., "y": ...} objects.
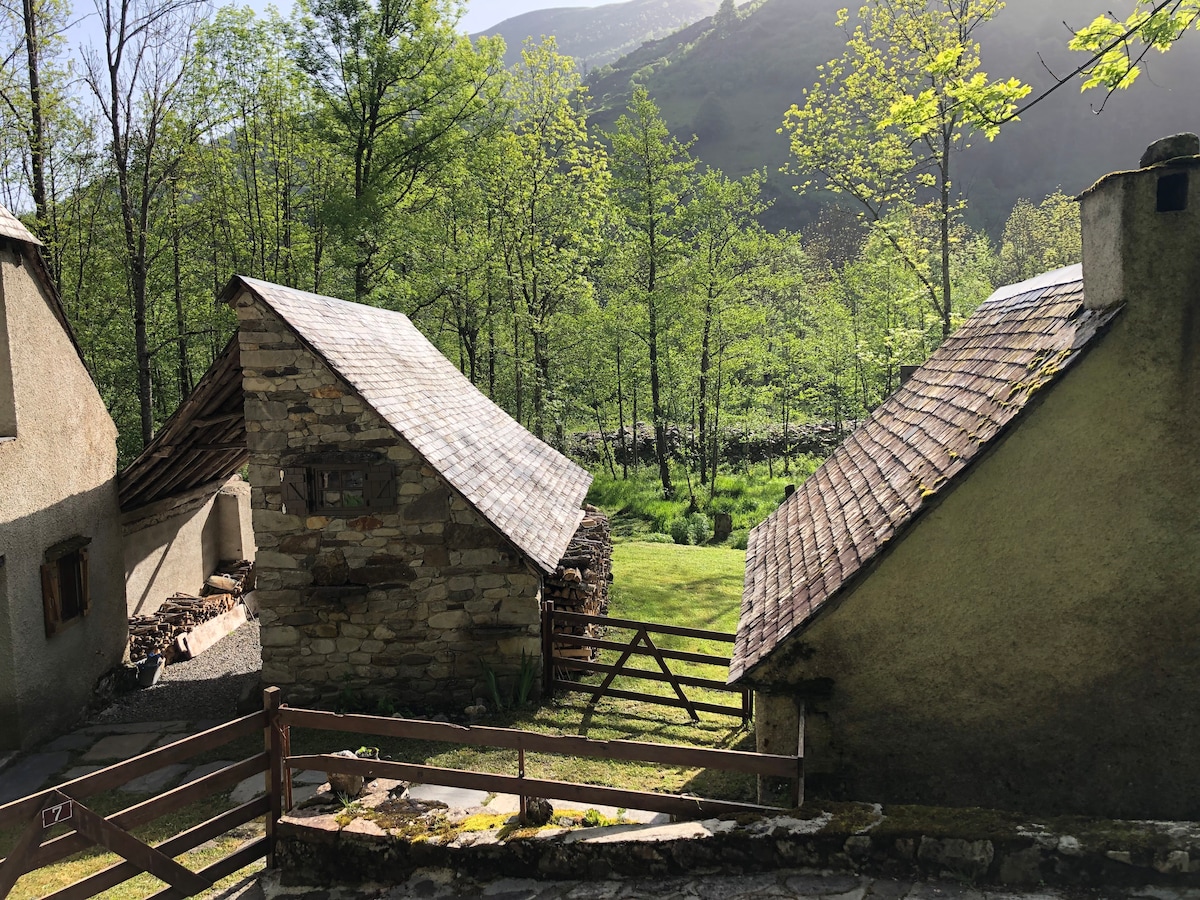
[
  {"x": 409, "y": 605},
  {"x": 174, "y": 544},
  {"x": 1033, "y": 642},
  {"x": 59, "y": 481}
]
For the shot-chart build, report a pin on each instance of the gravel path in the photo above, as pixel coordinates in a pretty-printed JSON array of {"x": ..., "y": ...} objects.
[{"x": 204, "y": 688}]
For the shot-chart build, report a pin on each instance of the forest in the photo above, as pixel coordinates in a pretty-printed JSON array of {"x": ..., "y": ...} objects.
[{"x": 584, "y": 279}]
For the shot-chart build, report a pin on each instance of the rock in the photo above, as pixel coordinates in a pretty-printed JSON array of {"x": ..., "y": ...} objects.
[
  {"x": 1173, "y": 147},
  {"x": 348, "y": 786},
  {"x": 538, "y": 811},
  {"x": 722, "y": 526}
]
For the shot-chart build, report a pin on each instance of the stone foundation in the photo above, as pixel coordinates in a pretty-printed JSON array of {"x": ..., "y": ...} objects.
[{"x": 973, "y": 846}]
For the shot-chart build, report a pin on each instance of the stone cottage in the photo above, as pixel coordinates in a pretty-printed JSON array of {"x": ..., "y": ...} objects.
[
  {"x": 403, "y": 521},
  {"x": 987, "y": 595},
  {"x": 62, "y": 590}
]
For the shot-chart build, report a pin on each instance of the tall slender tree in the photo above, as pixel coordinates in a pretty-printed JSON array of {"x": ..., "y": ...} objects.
[{"x": 652, "y": 175}]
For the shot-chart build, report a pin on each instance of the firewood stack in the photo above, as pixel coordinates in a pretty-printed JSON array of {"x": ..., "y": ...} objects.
[
  {"x": 580, "y": 582},
  {"x": 180, "y": 613}
]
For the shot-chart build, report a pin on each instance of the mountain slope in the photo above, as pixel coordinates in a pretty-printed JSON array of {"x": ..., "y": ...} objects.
[
  {"x": 600, "y": 34},
  {"x": 731, "y": 89}
]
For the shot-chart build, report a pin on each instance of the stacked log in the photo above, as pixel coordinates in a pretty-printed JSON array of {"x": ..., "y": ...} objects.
[
  {"x": 180, "y": 613},
  {"x": 580, "y": 582}
]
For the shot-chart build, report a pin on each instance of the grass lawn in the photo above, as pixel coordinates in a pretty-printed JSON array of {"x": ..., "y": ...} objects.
[{"x": 698, "y": 587}]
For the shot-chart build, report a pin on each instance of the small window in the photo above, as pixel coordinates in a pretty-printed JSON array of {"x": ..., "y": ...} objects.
[
  {"x": 339, "y": 489},
  {"x": 65, "y": 595},
  {"x": 1173, "y": 192}
]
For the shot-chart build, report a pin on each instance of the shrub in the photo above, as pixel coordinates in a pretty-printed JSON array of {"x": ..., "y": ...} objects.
[
  {"x": 656, "y": 537},
  {"x": 699, "y": 528},
  {"x": 738, "y": 539},
  {"x": 680, "y": 530}
]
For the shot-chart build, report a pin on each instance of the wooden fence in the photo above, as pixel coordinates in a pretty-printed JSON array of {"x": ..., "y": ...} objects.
[
  {"x": 556, "y": 660},
  {"x": 63, "y": 805}
]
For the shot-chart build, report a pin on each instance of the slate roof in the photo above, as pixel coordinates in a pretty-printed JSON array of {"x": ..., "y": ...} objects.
[
  {"x": 912, "y": 448},
  {"x": 11, "y": 227},
  {"x": 531, "y": 493}
]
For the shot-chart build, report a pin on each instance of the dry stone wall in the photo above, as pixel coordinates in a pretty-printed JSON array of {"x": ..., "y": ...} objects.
[{"x": 409, "y": 605}]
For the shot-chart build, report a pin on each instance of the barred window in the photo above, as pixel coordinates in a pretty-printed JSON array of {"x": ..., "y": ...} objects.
[{"x": 339, "y": 489}]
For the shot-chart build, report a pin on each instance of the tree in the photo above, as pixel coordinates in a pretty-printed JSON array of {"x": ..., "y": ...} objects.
[
  {"x": 140, "y": 84},
  {"x": 652, "y": 174},
  {"x": 725, "y": 247},
  {"x": 554, "y": 202},
  {"x": 403, "y": 92},
  {"x": 1039, "y": 238},
  {"x": 884, "y": 122},
  {"x": 1118, "y": 46}
]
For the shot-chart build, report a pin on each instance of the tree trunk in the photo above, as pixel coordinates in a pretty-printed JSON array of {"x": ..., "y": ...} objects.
[
  {"x": 37, "y": 122},
  {"x": 621, "y": 417},
  {"x": 702, "y": 400}
]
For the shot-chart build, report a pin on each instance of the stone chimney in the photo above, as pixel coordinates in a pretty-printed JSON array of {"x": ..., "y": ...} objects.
[{"x": 1141, "y": 233}]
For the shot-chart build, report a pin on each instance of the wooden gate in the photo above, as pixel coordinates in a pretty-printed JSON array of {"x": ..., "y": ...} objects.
[
  {"x": 564, "y": 631},
  {"x": 64, "y": 805}
]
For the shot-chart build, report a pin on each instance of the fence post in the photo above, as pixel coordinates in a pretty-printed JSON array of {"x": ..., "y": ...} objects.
[
  {"x": 548, "y": 649},
  {"x": 798, "y": 785},
  {"x": 273, "y": 739}
]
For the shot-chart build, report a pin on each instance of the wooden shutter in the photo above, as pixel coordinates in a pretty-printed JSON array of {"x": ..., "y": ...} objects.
[
  {"x": 85, "y": 595},
  {"x": 295, "y": 491},
  {"x": 381, "y": 487},
  {"x": 51, "y": 599}
]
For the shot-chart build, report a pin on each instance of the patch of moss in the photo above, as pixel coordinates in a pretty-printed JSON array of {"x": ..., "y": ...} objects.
[
  {"x": 849, "y": 818},
  {"x": 970, "y": 823}
]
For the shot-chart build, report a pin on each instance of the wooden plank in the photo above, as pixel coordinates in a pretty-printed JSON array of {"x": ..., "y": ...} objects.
[
  {"x": 564, "y": 744},
  {"x": 666, "y": 670},
  {"x": 141, "y": 854},
  {"x": 273, "y": 741},
  {"x": 530, "y": 787},
  {"x": 116, "y": 775},
  {"x": 227, "y": 865},
  {"x": 180, "y": 843},
  {"x": 646, "y": 674},
  {"x": 155, "y": 807},
  {"x": 14, "y": 866},
  {"x": 651, "y": 698},
  {"x": 579, "y": 640},
  {"x": 725, "y": 637},
  {"x": 624, "y": 657}
]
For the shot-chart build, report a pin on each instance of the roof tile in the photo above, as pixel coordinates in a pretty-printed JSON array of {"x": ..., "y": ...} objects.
[{"x": 910, "y": 449}]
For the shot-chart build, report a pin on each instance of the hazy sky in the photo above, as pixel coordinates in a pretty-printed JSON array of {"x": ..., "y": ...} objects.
[
  {"x": 483, "y": 14},
  {"x": 480, "y": 14}
]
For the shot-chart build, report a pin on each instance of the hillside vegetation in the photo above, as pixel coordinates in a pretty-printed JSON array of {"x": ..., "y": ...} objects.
[
  {"x": 597, "y": 35},
  {"x": 731, "y": 86}
]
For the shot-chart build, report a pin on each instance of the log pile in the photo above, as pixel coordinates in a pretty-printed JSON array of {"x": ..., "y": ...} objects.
[
  {"x": 580, "y": 582},
  {"x": 180, "y": 613}
]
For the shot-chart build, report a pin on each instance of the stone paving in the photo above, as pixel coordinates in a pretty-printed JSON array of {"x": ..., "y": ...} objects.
[{"x": 444, "y": 884}]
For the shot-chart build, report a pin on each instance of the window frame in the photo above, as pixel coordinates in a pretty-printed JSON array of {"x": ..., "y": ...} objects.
[
  {"x": 68, "y": 558},
  {"x": 302, "y": 495}
]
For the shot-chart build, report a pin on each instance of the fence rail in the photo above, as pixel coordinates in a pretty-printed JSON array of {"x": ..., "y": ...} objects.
[
  {"x": 63, "y": 804},
  {"x": 641, "y": 645},
  {"x": 760, "y": 764}
]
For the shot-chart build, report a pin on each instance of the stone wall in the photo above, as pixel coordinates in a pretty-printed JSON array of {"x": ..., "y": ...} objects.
[{"x": 410, "y": 606}]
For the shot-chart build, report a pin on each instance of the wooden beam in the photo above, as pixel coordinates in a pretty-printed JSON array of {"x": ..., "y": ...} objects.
[
  {"x": 204, "y": 421},
  {"x": 218, "y": 448},
  {"x": 142, "y": 855}
]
